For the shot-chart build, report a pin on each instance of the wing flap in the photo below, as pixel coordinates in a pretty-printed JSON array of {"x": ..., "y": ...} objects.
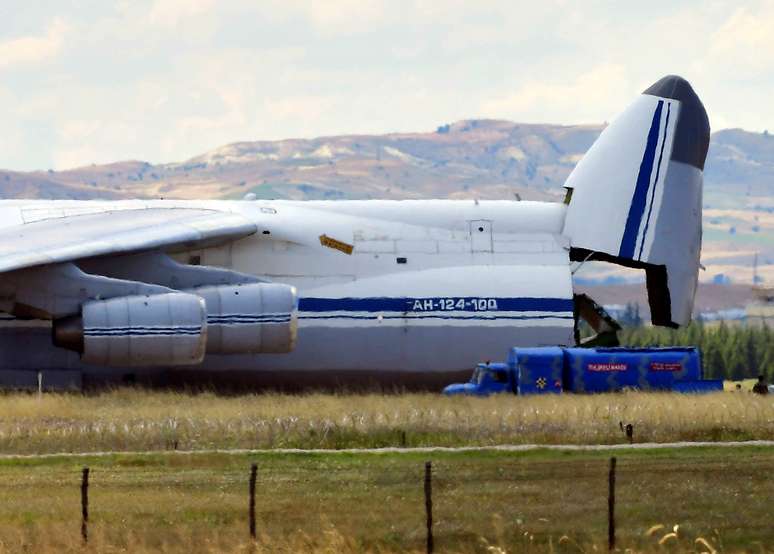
[{"x": 117, "y": 232}]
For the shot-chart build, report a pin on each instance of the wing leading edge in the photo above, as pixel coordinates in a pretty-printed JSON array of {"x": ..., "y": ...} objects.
[{"x": 67, "y": 239}]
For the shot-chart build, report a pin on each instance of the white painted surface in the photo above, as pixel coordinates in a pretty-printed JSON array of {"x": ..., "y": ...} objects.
[{"x": 604, "y": 181}]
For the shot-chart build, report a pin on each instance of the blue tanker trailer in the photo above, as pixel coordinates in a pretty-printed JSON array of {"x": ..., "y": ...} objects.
[{"x": 548, "y": 370}]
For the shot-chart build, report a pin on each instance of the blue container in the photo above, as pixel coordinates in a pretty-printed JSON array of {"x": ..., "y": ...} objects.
[
  {"x": 539, "y": 370},
  {"x": 614, "y": 369},
  {"x": 699, "y": 387}
]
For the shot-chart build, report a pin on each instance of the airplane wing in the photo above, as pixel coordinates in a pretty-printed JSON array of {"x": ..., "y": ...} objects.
[
  {"x": 71, "y": 238},
  {"x": 141, "y": 308}
]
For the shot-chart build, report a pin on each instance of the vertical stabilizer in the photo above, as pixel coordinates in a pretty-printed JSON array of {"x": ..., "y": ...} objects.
[{"x": 637, "y": 195}]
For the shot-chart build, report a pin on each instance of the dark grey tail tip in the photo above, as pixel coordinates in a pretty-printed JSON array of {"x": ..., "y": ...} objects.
[
  {"x": 693, "y": 131},
  {"x": 672, "y": 86}
]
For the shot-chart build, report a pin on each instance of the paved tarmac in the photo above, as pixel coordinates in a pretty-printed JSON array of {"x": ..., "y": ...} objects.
[{"x": 420, "y": 450}]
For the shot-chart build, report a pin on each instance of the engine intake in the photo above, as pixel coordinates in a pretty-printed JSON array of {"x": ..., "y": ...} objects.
[
  {"x": 163, "y": 329},
  {"x": 251, "y": 318}
]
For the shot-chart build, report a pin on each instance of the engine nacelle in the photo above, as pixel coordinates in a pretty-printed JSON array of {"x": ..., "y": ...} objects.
[
  {"x": 158, "y": 330},
  {"x": 250, "y": 319}
]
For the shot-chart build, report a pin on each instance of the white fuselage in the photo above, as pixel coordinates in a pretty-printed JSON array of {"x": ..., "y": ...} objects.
[{"x": 389, "y": 286}]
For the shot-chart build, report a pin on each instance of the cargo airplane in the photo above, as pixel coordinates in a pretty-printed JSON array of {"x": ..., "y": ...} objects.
[{"x": 393, "y": 292}]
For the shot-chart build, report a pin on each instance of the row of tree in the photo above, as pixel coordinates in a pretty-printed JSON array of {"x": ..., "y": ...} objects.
[{"x": 729, "y": 351}]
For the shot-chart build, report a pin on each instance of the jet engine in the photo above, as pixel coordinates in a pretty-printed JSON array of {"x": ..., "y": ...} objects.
[
  {"x": 250, "y": 318},
  {"x": 126, "y": 331}
]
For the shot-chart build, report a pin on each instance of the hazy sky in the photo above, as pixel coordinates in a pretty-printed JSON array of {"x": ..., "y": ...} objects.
[{"x": 90, "y": 81}]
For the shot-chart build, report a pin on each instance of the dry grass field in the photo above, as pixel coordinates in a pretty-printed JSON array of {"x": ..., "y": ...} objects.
[
  {"x": 495, "y": 502},
  {"x": 484, "y": 502},
  {"x": 134, "y": 420}
]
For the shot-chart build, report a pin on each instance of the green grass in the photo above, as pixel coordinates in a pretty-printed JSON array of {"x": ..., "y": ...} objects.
[{"x": 342, "y": 502}]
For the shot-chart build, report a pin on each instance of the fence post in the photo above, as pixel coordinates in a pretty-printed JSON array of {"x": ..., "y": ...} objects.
[
  {"x": 429, "y": 504},
  {"x": 611, "y": 506},
  {"x": 85, "y": 504},
  {"x": 253, "y": 473}
]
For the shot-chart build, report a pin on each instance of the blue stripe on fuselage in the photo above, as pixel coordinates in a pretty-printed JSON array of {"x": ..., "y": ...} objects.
[
  {"x": 469, "y": 304},
  {"x": 484, "y": 316},
  {"x": 640, "y": 196}
]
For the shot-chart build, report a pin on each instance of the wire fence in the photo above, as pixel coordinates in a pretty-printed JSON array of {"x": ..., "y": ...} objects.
[
  {"x": 428, "y": 498},
  {"x": 409, "y": 502}
]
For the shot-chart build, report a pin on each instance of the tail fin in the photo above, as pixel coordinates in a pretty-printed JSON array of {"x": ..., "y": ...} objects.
[{"x": 636, "y": 196}]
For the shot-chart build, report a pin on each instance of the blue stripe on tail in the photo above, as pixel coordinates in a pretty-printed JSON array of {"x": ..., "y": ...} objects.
[
  {"x": 655, "y": 181},
  {"x": 639, "y": 199}
]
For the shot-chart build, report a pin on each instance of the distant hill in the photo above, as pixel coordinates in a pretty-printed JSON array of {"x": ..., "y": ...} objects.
[
  {"x": 742, "y": 160},
  {"x": 466, "y": 159},
  {"x": 475, "y": 158}
]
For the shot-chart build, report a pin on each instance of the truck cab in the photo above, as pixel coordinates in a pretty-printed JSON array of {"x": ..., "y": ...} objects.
[{"x": 488, "y": 378}]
